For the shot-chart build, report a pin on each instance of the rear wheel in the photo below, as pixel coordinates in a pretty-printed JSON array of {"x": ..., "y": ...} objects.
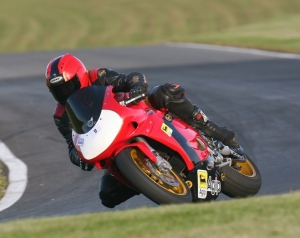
[
  {"x": 241, "y": 179},
  {"x": 161, "y": 187}
]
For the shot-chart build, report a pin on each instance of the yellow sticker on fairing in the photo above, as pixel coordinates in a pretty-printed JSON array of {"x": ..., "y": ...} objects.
[
  {"x": 166, "y": 129},
  {"x": 202, "y": 183}
]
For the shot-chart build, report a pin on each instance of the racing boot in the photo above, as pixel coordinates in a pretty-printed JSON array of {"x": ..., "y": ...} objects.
[
  {"x": 112, "y": 192},
  {"x": 209, "y": 128}
]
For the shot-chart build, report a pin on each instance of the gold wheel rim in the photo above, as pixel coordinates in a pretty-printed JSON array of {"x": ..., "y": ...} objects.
[
  {"x": 139, "y": 160},
  {"x": 246, "y": 168}
]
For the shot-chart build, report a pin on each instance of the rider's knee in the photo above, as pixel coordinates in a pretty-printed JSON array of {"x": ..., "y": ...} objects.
[
  {"x": 161, "y": 96},
  {"x": 171, "y": 97}
]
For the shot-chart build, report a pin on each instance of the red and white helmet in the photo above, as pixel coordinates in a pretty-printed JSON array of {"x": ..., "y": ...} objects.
[{"x": 64, "y": 75}]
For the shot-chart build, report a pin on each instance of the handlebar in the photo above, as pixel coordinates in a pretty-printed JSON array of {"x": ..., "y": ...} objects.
[{"x": 130, "y": 100}]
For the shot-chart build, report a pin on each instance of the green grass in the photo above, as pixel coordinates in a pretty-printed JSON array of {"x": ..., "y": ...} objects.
[
  {"x": 278, "y": 34},
  {"x": 3, "y": 181},
  {"x": 35, "y": 25},
  {"x": 268, "y": 216}
]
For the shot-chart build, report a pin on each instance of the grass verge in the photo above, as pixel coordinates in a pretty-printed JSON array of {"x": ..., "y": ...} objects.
[
  {"x": 35, "y": 25},
  {"x": 264, "y": 216},
  {"x": 3, "y": 181},
  {"x": 278, "y": 34}
]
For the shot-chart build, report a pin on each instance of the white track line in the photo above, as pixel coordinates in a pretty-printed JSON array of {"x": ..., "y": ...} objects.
[
  {"x": 17, "y": 177},
  {"x": 235, "y": 50}
]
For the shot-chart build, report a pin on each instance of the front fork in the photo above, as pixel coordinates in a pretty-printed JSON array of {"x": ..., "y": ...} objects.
[{"x": 162, "y": 164}]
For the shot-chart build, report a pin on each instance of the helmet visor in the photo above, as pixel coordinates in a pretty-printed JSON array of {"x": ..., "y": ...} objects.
[{"x": 62, "y": 91}]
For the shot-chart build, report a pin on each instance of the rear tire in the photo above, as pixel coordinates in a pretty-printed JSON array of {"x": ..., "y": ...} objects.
[
  {"x": 159, "y": 187},
  {"x": 241, "y": 183}
]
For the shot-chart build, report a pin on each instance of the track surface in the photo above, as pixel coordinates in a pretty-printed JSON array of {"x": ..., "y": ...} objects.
[{"x": 255, "y": 95}]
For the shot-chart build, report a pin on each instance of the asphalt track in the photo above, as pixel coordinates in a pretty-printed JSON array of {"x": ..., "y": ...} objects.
[{"x": 252, "y": 92}]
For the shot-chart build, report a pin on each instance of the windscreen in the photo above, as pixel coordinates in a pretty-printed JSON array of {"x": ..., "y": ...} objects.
[{"x": 84, "y": 107}]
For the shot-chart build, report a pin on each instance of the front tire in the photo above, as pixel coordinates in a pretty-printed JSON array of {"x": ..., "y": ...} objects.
[
  {"x": 141, "y": 172},
  {"x": 240, "y": 180}
]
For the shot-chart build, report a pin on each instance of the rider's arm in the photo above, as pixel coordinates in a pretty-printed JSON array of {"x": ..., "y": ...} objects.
[
  {"x": 120, "y": 82},
  {"x": 64, "y": 126}
]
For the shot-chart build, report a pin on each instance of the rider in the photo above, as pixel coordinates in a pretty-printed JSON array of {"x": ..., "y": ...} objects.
[{"x": 66, "y": 74}]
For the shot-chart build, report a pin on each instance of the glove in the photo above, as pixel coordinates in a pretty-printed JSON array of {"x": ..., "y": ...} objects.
[
  {"x": 76, "y": 160},
  {"x": 137, "y": 91},
  {"x": 85, "y": 166}
]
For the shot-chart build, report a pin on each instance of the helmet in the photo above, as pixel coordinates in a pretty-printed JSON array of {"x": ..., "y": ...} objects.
[{"x": 64, "y": 75}]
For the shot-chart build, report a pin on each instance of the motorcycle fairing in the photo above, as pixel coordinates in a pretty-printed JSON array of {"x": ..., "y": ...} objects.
[
  {"x": 94, "y": 128},
  {"x": 84, "y": 107},
  {"x": 185, "y": 145},
  {"x": 97, "y": 140}
]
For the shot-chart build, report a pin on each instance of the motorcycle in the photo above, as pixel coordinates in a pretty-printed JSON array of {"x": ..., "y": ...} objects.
[{"x": 154, "y": 152}]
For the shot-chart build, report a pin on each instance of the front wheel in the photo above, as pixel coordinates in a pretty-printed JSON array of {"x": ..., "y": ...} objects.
[
  {"x": 241, "y": 179},
  {"x": 161, "y": 187}
]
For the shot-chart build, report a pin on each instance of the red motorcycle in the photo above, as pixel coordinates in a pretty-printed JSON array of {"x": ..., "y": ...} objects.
[{"x": 155, "y": 153}]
